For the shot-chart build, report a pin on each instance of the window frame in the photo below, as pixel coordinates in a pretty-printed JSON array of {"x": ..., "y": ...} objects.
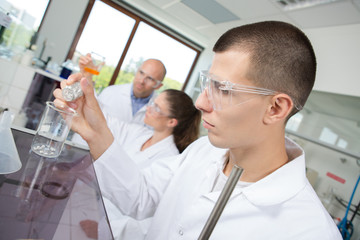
[
  {"x": 138, "y": 17},
  {"x": 44, "y": 16}
]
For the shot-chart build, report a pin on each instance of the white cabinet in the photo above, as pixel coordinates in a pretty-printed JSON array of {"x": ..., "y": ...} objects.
[
  {"x": 15, "y": 80},
  {"x": 23, "y": 87}
]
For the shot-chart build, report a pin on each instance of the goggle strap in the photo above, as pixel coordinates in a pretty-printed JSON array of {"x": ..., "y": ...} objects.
[{"x": 251, "y": 90}]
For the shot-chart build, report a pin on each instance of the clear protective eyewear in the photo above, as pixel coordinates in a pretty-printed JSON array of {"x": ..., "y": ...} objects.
[
  {"x": 223, "y": 94},
  {"x": 155, "y": 109},
  {"x": 148, "y": 79}
]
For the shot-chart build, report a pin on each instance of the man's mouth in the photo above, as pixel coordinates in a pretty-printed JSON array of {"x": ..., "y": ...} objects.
[{"x": 207, "y": 125}]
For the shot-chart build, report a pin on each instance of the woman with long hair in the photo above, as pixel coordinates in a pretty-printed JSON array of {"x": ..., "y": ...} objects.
[{"x": 174, "y": 122}]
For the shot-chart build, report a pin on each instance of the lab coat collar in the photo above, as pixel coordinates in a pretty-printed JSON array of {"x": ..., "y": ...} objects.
[
  {"x": 277, "y": 187},
  {"x": 166, "y": 142},
  {"x": 282, "y": 184}
]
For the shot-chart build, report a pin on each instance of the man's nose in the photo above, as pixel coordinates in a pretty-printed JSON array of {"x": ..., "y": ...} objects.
[
  {"x": 203, "y": 103},
  {"x": 143, "y": 79}
]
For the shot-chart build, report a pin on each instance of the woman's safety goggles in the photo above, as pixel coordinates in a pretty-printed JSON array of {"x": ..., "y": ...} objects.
[
  {"x": 222, "y": 94},
  {"x": 155, "y": 109}
]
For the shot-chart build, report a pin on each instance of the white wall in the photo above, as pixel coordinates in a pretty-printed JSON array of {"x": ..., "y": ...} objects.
[
  {"x": 59, "y": 28},
  {"x": 338, "y": 55}
]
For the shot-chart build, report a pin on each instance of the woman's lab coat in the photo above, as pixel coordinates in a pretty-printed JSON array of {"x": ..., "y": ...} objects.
[
  {"x": 282, "y": 205},
  {"x": 131, "y": 137}
]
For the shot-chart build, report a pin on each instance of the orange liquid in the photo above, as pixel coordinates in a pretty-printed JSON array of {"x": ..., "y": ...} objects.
[{"x": 92, "y": 71}]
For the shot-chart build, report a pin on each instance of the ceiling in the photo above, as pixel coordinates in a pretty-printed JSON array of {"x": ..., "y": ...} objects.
[{"x": 205, "y": 20}]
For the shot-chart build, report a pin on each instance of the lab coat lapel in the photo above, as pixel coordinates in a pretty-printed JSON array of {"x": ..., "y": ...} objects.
[
  {"x": 202, "y": 182},
  {"x": 209, "y": 181},
  {"x": 153, "y": 150},
  {"x": 275, "y": 188},
  {"x": 282, "y": 184}
]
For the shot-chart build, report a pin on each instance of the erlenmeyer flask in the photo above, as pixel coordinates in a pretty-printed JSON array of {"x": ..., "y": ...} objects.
[{"x": 9, "y": 156}]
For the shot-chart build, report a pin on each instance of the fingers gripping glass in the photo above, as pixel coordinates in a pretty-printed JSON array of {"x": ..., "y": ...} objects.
[
  {"x": 148, "y": 79},
  {"x": 155, "y": 109},
  {"x": 97, "y": 63}
]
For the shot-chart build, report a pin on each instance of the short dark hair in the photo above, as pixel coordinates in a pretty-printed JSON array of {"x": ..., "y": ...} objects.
[{"x": 281, "y": 57}]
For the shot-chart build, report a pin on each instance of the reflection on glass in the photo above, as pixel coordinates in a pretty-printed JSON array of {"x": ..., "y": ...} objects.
[
  {"x": 294, "y": 122},
  {"x": 47, "y": 188},
  {"x": 42, "y": 182},
  {"x": 328, "y": 136},
  {"x": 48, "y": 198},
  {"x": 329, "y": 118},
  {"x": 342, "y": 143}
]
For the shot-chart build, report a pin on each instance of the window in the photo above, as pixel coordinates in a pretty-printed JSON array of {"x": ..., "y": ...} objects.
[
  {"x": 149, "y": 42},
  {"x": 26, "y": 16},
  {"x": 125, "y": 40}
]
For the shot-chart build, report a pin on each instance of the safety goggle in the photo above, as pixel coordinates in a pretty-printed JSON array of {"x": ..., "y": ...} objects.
[
  {"x": 148, "y": 79},
  {"x": 155, "y": 109},
  {"x": 222, "y": 94}
]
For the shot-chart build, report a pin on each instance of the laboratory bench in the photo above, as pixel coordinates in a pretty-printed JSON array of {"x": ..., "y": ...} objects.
[{"x": 49, "y": 198}]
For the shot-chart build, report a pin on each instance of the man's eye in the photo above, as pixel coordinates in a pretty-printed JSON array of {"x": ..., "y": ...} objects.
[
  {"x": 216, "y": 85},
  {"x": 150, "y": 79},
  {"x": 224, "y": 91}
]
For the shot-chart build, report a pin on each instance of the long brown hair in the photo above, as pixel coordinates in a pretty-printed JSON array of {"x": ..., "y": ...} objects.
[{"x": 183, "y": 110}]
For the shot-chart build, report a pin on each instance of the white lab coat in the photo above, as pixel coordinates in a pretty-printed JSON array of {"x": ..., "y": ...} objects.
[
  {"x": 282, "y": 205},
  {"x": 115, "y": 100},
  {"x": 131, "y": 137}
]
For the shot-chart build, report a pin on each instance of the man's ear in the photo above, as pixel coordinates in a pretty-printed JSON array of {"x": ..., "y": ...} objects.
[
  {"x": 279, "y": 108},
  {"x": 172, "y": 122},
  {"x": 160, "y": 85}
]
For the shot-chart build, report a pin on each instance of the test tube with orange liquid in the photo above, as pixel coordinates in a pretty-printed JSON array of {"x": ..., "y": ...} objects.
[{"x": 98, "y": 62}]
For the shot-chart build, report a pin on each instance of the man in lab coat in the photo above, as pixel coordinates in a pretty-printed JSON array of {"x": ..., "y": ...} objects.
[
  {"x": 261, "y": 75},
  {"x": 127, "y": 102}
]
